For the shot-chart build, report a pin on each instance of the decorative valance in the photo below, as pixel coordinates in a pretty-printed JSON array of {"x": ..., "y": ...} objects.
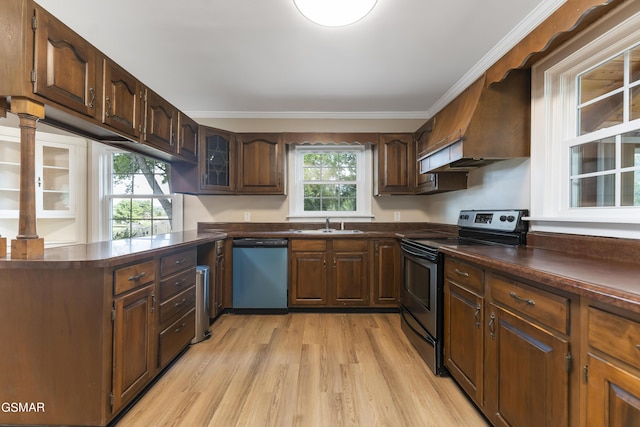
[
  {"x": 570, "y": 18},
  {"x": 330, "y": 138}
]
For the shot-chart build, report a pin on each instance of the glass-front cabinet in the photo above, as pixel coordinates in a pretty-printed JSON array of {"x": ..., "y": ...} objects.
[
  {"x": 56, "y": 158},
  {"x": 217, "y": 160}
]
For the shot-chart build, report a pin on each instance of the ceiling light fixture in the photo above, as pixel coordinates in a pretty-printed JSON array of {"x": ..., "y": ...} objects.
[{"x": 334, "y": 13}]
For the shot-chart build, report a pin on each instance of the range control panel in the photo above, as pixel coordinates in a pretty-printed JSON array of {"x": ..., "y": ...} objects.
[{"x": 500, "y": 219}]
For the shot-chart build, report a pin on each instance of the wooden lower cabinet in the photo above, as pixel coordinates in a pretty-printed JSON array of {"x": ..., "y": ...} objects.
[
  {"x": 508, "y": 345},
  {"x": 387, "y": 273},
  {"x": 612, "y": 369},
  {"x": 133, "y": 344},
  {"x": 526, "y": 377},
  {"x": 464, "y": 340},
  {"x": 331, "y": 272}
]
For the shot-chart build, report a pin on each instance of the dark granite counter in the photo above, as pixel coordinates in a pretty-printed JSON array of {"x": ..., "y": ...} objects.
[{"x": 110, "y": 253}]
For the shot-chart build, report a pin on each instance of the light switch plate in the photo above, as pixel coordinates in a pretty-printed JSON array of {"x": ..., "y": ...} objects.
[
  {"x": 247, "y": 216},
  {"x": 396, "y": 216}
]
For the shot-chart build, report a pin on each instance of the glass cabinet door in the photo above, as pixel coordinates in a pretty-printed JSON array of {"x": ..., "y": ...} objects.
[
  {"x": 216, "y": 161},
  {"x": 9, "y": 174},
  {"x": 53, "y": 183}
]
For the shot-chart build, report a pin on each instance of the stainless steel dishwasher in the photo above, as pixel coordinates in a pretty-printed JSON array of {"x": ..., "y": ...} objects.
[{"x": 260, "y": 275}]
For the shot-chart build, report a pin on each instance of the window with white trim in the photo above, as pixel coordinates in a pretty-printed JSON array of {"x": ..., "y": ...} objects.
[
  {"x": 137, "y": 200},
  {"x": 586, "y": 134},
  {"x": 330, "y": 181}
]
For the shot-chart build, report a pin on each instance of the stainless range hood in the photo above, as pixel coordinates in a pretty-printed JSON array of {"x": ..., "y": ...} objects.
[{"x": 482, "y": 125}]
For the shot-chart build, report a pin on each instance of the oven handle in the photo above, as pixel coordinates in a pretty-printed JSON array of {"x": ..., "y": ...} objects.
[
  {"x": 408, "y": 322},
  {"x": 421, "y": 255}
]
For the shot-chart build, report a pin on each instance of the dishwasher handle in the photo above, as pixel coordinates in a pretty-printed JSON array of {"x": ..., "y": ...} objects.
[{"x": 260, "y": 243}]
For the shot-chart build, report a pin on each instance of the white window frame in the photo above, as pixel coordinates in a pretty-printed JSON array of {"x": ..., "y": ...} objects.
[
  {"x": 363, "y": 182},
  {"x": 101, "y": 184},
  {"x": 554, "y": 120}
]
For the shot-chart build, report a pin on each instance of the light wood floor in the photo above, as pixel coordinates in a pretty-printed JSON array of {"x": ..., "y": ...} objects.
[{"x": 303, "y": 369}]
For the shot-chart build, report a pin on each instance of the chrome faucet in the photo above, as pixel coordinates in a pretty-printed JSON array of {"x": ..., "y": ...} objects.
[{"x": 326, "y": 224}]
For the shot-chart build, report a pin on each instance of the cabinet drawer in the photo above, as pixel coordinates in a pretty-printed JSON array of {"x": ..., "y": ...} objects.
[
  {"x": 179, "y": 261},
  {"x": 308, "y": 245},
  {"x": 175, "y": 307},
  {"x": 547, "y": 308},
  {"x": 615, "y": 335},
  {"x": 176, "y": 337},
  {"x": 350, "y": 245},
  {"x": 464, "y": 274},
  {"x": 177, "y": 283},
  {"x": 127, "y": 278}
]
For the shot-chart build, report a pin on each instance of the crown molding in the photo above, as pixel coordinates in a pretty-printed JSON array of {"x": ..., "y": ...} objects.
[{"x": 351, "y": 115}]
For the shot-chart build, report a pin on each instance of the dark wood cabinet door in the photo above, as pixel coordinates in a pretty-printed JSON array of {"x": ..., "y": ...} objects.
[
  {"x": 133, "y": 349},
  {"x": 350, "y": 278},
  {"x": 386, "y": 273},
  {"x": 65, "y": 66},
  {"x": 216, "y": 161},
  {"x": 527, "y": 382},
  {"x": 613, "y": 394},
  {"x": 161, "y": 119},
  {"x": 396, "y": 164},
  {"x": 464, "y": 345},
  {"x": 121, "y": 99},
  {"x": 187, "y": 137},
  {"x": 308, "y": 278},
  {"x": 260, "y": 164}
]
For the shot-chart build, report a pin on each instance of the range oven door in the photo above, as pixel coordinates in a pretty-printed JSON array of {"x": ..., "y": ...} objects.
[{"x": 420, "y": 295}]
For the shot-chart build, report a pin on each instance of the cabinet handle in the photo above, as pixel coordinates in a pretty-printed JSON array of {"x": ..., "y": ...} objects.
[
  {"x": 92, "y": 101},
  {"x": 638, "y": 346},
  {"x": 324, "y": 263},
  {"x": 462, "y": 273},
  {"x": 178, "y": 304},
  {"x": 39, "y": 182},
  {"x": 520, "y": 299},
  {"x": 477, "y": 315},
  {"x": 492, "y": 326},
  {"x": 137, "y": 277},
  {"x": 153, "y": 301},
  {"x": 108, "y": 112},
  {"x": 181, "y": 261},
  {"x": 180, "y": 327},
  {"x": 180, "y": 282},
  {"x": 334, "y": 263}
]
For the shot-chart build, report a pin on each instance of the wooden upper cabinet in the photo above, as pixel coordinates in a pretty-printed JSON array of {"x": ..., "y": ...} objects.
[
  {"x": 161, "y": 122},
  {"x": 187, "y": 137},
  {"x": 65, "y": 66},
  {"x": 260, "y": 163},
  {"x": 216, "y": 161},
  {"x": 396, "y": 164},
  {"x": 121, "y": 99}
]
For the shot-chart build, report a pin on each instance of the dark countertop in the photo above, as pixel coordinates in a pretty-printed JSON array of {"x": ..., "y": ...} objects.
[
  {"x": 612, "y": 282},
  {"x": 111, "y": 253}
]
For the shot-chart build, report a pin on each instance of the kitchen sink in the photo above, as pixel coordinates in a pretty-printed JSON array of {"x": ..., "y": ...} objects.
[{"x": 327, "y": 231}]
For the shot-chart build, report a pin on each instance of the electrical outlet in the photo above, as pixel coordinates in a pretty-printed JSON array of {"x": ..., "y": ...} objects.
[
  {"x": 396, "y": 216},
  {"x": 247, "y": 216}
]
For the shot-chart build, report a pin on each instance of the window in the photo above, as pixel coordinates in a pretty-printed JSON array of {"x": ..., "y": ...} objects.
[
  {"x": 138, "y": 198},
  {"x": 585, "y": 154},
  {"x": 330, "y": 181}
]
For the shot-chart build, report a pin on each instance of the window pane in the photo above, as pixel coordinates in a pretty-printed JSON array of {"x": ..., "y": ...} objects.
[
  {"x": 162, "y": 209},
  {"x": 602, "y": 79},
  {"x": 330, "y": 204},
  {"x": 312, "y": 174},
  {"x": 634, "y": 100},
  {"x": 634, "y": 56},
  {"x": 161, "y": 227},
  {"x": 348, "y": 205},
  {"x": 312, "y": 190},
  {"x": 630, "y": 192},
  {"x": 593, "y": 191},
  {"x": 329, "y": 191},
  {"x": 602, "y": 114},
  {"x": 592, "y": 157},
  {"x": 312, "y": 204},
  {"x": 631, "y": 149},
  {"x": 312, "y": 159}
]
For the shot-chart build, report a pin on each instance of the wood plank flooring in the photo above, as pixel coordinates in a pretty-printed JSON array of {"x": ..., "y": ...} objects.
[{"x": 303, "y": 369}]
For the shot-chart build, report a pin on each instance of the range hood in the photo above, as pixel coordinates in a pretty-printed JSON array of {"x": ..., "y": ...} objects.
[{"x": 482, "y": 125}]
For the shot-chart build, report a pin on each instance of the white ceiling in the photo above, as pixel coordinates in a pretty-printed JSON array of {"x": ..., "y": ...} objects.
[{"x": 261, "y": 58}]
